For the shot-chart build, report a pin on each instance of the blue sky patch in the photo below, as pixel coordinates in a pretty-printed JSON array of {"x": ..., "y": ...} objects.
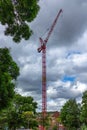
[{"x": 68, "y": 78}]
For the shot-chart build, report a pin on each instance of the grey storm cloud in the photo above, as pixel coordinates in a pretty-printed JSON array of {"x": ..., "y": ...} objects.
[
  {"x": 67, "y": 37},
  {"x": 70, "y": 25},
  {"x": 31, "y": 81},
  {"x": 74, "y": 21},
  {"x": 28, "y": 85},
  {"x": 65, "y": 93}
]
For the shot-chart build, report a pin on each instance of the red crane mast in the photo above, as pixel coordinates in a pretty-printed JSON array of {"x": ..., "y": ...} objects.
[{"x": 43, "y": 49}]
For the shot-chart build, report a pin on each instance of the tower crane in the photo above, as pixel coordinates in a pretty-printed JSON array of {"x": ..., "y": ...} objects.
[{"x": 43, "y": 49}]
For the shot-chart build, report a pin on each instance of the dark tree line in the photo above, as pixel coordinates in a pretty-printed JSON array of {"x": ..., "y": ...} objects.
[
  {"x": 14, "y": 108},
  {"x": 15, "y": 16},
  {"x": 8, "y": 75},
  {"x": 74, "y": 115}
]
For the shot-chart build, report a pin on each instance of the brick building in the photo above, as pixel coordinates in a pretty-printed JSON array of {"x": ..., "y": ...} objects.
[{"x": 53, "y": 120}]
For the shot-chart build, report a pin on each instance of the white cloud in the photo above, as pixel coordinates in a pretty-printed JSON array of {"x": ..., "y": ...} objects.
[
  {"x": 82, "y": 59},
  {"x": 81, "y": 87},
  {"x": 66, "y": 53}
]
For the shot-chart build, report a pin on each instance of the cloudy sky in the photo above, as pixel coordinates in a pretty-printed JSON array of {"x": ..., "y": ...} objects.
[{"x": 66, "y": 53}]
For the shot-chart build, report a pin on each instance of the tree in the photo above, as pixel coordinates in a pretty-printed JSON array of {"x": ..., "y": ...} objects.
[
  {"x": 70, "y": 115},
  {"x": 22, "y": 106},
  {"x": 28, "y": 116},
  {"x": 3, "y": 119},
  {"x": 15, "y": 15},
  {"x": 8, "y": 74},
  {"x": 29, "y": 119},
  {"x": 83, "y": 115},
  {"x": 25, "y": 103}
]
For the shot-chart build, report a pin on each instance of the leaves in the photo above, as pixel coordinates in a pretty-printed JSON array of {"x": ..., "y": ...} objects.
[
  {"x": 83, "y": 116},
  {"x": 8, "y": 72},
  {"x": 6, "y": 12},
  {"x": 15, "y": 16},
  {"x": 70, "y": 114},
  {"x": 25, "y": 103},
  {"x": 22, "y": 112}
]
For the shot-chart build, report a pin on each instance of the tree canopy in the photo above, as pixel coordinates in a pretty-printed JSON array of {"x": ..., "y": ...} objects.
[
  {"x": 22, "y": 112},
  {"x": 23, "y": 103},
  {"x": 8, "y": 74},
  {"x": 70, "y": 114},
  {"x": 15, "y": 15},
  {"x": 83, "y": 116}
]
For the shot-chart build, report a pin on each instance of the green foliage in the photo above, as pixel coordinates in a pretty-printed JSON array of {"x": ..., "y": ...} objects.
[
  {"x": 15, "y": 16},
  {"x": 14, "y": 119},
  {"x": 8, "y": 73},
  {"x": 29, "y": 119},
  {"x": 83, "y": 116},
  {"x": 3, "y": 119},
  {"x": 22, "y": 112},
  {"x": 55, "y": 127},
  {"x": 83, "y": 127},
  {"x": 70, "y": 114},
  {"x": 23, "y": 103}
]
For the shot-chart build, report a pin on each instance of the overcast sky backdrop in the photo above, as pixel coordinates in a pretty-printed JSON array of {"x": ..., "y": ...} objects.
[{"x": 66, "y": 53}]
